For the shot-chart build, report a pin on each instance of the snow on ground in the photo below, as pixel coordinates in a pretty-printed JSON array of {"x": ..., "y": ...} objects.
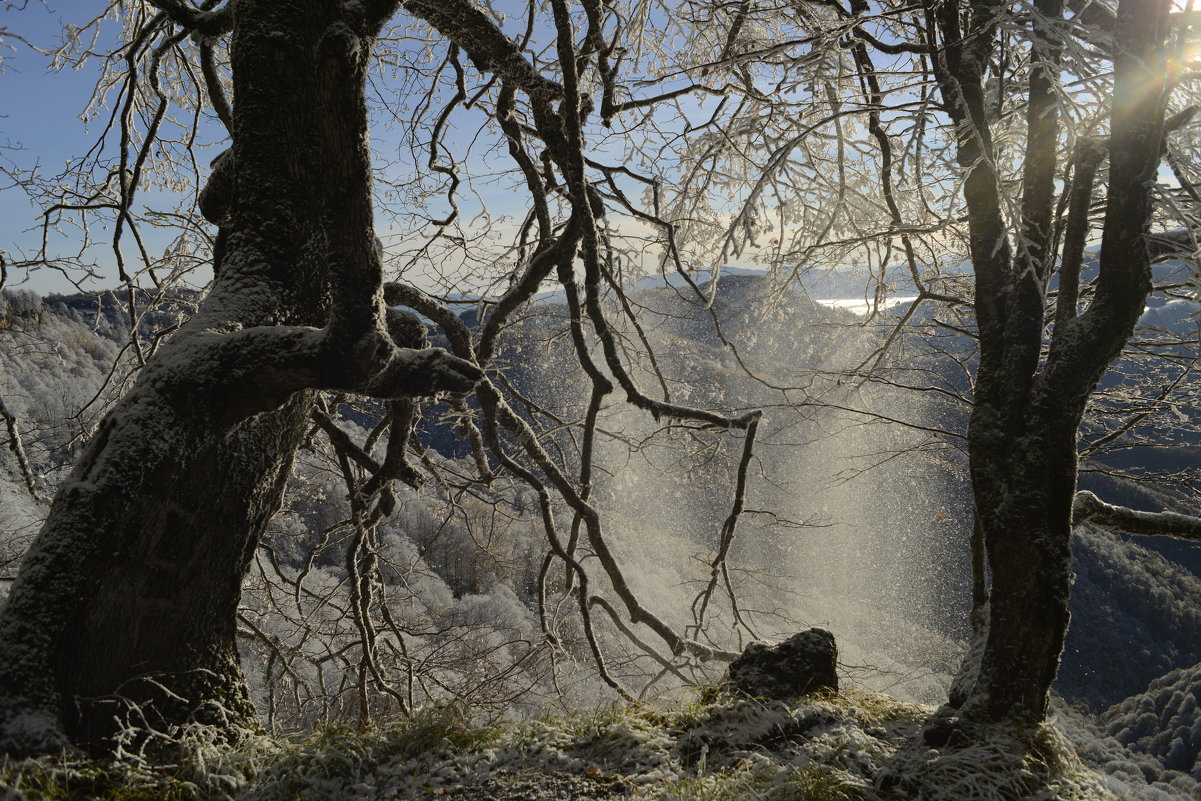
[{"x": 845, "y": 746}]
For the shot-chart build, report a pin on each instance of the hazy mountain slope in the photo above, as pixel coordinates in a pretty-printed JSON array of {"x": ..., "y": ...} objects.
[
  {"x": 52, "y": 363},
  {"x": 1136, "y": 615}
]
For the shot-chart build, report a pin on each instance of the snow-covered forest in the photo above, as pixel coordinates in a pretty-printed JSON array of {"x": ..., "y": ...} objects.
[{"x": 467, "y": 454}]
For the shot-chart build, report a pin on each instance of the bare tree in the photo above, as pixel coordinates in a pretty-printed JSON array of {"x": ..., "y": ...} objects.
[
  {"x": 131, "y": 589},
  {"x": 124, "y": 612},
  {"x": 862, "y": 160},
  {"x": 1028, "y": 403}
]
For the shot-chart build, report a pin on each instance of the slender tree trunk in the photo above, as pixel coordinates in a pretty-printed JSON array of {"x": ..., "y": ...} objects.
[
  {"x": 1028, "y": 403},
  {"x": 1025, "y": 492}
]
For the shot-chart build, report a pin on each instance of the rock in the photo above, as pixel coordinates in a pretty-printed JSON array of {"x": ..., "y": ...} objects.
[{"x": 802, "y": 664}]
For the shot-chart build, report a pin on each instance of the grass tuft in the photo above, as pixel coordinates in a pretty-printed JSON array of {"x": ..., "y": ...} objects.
[{"x": 848, "y": 746}]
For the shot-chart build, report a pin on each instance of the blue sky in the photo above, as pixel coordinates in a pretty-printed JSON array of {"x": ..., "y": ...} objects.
[
  {"x": 40, "y": 124},
  {"x": 40, "y": 118}
]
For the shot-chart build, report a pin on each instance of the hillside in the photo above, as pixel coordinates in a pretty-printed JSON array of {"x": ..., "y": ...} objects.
[{"x": 875, "y": 550}]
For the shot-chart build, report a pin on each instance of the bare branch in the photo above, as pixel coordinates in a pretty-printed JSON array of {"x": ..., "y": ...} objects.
[
  {"x": 1088, "y": 508},
  {"x": 18, "y": 450}
]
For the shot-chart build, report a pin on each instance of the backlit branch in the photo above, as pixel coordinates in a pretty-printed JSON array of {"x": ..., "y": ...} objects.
[{"x": 1088, "y": 508}]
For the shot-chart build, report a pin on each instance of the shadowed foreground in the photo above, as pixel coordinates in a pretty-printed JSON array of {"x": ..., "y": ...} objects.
[{"x": 851, "y": 745}]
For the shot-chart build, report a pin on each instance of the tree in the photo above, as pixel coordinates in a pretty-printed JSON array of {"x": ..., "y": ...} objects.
[
  {"x": 122, "y": 618},
  {"x": 124, "y": 612},
  {"x": 1028, "y": 401},
  {"x": 1005, "y": 90},
  {"x": 130, "y": 591}
]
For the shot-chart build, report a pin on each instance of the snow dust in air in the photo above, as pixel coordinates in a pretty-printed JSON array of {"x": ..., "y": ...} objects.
[{"x": 855, "y": 515}]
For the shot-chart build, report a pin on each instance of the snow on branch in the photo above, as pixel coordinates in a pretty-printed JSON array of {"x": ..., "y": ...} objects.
[
  {"x": 200, "y": 20},
  {"x": 485, "y": 44},
  {"x": 18, "y": 449},
  {"x": 1088, "y": 508}
]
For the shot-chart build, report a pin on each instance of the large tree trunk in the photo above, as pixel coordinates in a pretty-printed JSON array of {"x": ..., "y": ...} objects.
[
  {"x": 133, "y": 585},
  {"x": 124, "y": 608}
]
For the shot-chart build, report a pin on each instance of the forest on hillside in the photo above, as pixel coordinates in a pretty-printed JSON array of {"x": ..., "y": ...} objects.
[{"x": 415, "y": 366}]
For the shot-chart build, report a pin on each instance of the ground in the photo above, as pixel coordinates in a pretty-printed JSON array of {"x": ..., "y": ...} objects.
[{"x": 831, "y": 747}]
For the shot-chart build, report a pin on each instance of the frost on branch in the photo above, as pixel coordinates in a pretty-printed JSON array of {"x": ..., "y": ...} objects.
[
  {"x": 1088, "y": 508},
  {"x": 410, "y": 373}
]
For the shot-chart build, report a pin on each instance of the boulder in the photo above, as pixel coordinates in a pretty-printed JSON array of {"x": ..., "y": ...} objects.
[{"x": 802, "y": 664}]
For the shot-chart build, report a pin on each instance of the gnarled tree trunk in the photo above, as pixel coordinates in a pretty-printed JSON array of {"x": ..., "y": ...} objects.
[{"x": 124, "y": 609}]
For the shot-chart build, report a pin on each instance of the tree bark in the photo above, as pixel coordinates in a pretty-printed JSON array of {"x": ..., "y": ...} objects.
[
  {"x": 1023, "y": 428},
  {"x": 1027, "y": 490},
  {"x": 123, "y": 614}
]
